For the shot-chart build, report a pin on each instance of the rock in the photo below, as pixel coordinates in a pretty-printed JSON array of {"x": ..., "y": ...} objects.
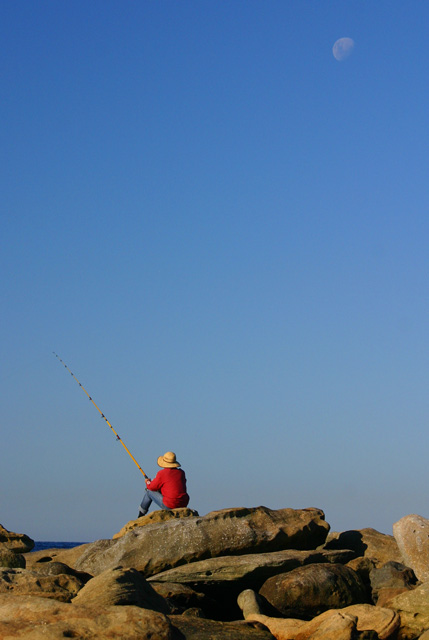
[
  {"x": 25, "y": 618},
  {"x": 413, "y": 609},
  {"x": 44, "y": 556},
  {"x": 56, "y": 568},
  {"x": 11, "y": 559},
  {"x": 18, "y": 542},
  {"x": 369, "y": 543},
  {"x": 308, "y": 591},
  {"x": 30, "y": 583},
  {"x": 412, "y": 536},
  {"x": 121, "y": 587},
  {"x": 392, "y": 575},
  {"x": 384, "y": 623},
  {"x": 180, "y": 598},
  {"x": 249, "y": 570},
  {"x": 161, "y": 515},
  {"x": 194, "y": 628},
  {"x": 219, "y": 533}
]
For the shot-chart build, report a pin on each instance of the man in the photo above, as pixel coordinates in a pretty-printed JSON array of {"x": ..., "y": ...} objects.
[{"x": 168, "y": 488}]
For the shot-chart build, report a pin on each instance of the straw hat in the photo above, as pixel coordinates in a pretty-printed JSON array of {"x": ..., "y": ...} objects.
[{"x": 168, "y": 460}]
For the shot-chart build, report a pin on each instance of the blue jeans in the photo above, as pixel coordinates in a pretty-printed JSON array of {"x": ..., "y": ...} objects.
[{"x": 150, "y": 496}]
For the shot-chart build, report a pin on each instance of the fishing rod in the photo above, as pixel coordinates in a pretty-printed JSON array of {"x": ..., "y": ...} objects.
[{"x": 102, "y": 415}]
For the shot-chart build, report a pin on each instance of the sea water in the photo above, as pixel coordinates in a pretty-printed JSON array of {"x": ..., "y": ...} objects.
[{"x": 40, "y": 545}]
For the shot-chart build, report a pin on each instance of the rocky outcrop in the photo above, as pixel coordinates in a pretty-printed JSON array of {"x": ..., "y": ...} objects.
[
  {"x": 18, "y": 542},
  {"x": 161, "y": 515},
  {"x": 121, "y": 587},
  {"x": 220, "y": 533},
  {"x": 308, "y": 591},
  {"x": 178, "y": 576},
  {"x": 412, "y": 536}
]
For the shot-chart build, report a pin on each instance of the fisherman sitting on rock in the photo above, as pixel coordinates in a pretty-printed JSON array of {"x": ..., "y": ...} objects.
[{"x": 168, "y": 488}]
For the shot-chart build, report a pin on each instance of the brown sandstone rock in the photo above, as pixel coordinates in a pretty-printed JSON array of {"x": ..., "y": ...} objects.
[
  {"x": 18, "y": 542},
  {"x": 161, "y": 515},
  {"x": 308, "y": 591},
  {"x": 249, "y": 569},
  {"x": 44, "y": 556},
  {"x": 384, "y": 623},
  {"x": 392, "y": 575},
  {"x": 28, "y": 618},
  {"x": 369, "y": 543},
  {"x": 11, "y": 559},
  {"x": 226, "y": 532},
  {"x": 413, "y": 608},
  {"x": 30, "y": 583},
  {"x": 194, "y": 628},
  {"x": 56, "y": 568},
  {"x": 121, "y": 587},
  {"x": 412, "y": 536},
  {"x": 180, "y": 597}
]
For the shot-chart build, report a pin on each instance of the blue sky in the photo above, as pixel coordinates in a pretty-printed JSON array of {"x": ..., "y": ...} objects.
[{"x": 223, "y": 232}]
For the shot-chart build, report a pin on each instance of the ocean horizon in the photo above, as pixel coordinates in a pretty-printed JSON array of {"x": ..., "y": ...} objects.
[{"x": 39, "y": 545}]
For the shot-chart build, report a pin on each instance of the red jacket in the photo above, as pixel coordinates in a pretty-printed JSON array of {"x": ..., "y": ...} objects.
[{"x": 172, "y": 485}]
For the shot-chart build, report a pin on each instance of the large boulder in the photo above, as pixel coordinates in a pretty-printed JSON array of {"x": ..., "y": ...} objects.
[
  {"x": 412, "y": 536},
  {"x": 246, "y": 571},
  {"x": 121, "y": 587},
  {"x": 161, "y": 515},
  {"x": 25, "y": 617},
  {"x": 158, "y": 547},
  {"x": 368, "y": 543},
  {"x": 18, "y": 542},
  {"x": 29, "y": 583},
  {"x": 413, "y": 609},
  {"x": 308, "y": 591}
]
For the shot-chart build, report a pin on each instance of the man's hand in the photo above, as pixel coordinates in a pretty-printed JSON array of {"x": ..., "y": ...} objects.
[{"x": 148, "y": 480}]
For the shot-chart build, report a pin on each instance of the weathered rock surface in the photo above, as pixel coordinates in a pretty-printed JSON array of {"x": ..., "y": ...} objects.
[
  {"x": 11, "y": 559},
  {"x": 25, "y": 617},
  {"x": 161, "y": 515},
  {"x": 56, "y": 568},
  {"x": 412, "y": 536},
  {"x": 219, "y": 533},
  {"x": 392, "y": 575},
  {"x": 252, "y": 569},
  {"x": 413, "y": 608},
  {"x": 369, "y": 543},
  {"x": 30, "y": 583},
  {"x": 181, "y": 597},
  {"x": 44, "y": 556},
  {"x": 18, "y": 542},
  {"x": 383, "y": 622},
  {"x": 308, "y": 591},
  {"x": 194, "y": 628},
  {"x": 121, "y": 587}
]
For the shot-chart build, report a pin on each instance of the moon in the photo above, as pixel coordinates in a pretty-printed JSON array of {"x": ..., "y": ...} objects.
[{"x": 343, "y": 48}]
